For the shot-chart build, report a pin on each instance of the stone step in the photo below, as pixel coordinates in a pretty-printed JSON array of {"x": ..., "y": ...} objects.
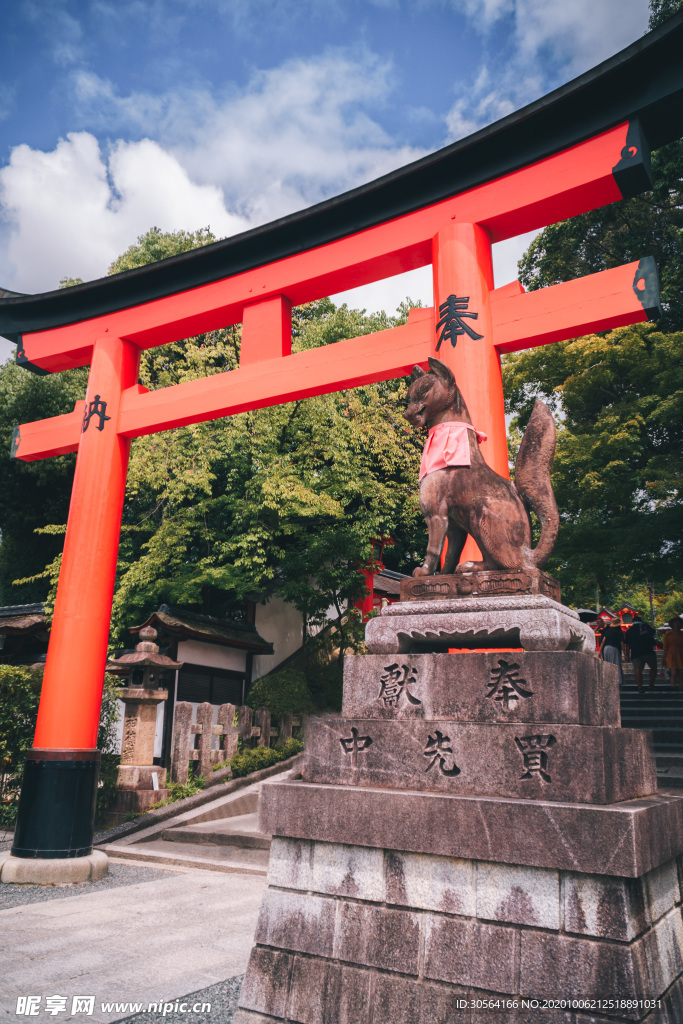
[
  {"x": 241, "y": 831},
  {"x": 670, "y": 778},
  {"x": 670, "y": 758},
  {"x": 194, "y": 855}
]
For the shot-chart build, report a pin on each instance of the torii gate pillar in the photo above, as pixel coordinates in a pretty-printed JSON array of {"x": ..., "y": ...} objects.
[
  {"x": 59, "y": 789},
  {"x": 462, "y": 265}
]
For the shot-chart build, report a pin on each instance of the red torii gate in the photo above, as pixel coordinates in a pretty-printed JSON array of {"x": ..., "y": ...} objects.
[{"x": 579, "y": 148}]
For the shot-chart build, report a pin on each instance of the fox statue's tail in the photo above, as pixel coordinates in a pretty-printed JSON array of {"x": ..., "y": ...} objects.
[{"x": 532, "y": 478}]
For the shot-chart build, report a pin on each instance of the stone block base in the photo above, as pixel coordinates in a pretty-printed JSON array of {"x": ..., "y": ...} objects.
[
  {"x": 563, "y": 687},
  {"x": 141, "y": 776},
  {"x": 57, "y": 871},
  {"x": 135, "y": 801},
  {"x": 575, "y": 763},
  {"x": 355, "y": 935}
]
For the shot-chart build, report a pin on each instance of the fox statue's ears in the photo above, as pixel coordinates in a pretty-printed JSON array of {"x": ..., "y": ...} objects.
[
  {"x": 436, "y": 367},
  {"x": 441, "y": 370}
]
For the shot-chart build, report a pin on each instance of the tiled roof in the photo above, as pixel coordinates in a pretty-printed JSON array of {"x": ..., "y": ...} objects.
[
  {"x": 183, "y": 624},
  {"x": 22, "y": 618}
]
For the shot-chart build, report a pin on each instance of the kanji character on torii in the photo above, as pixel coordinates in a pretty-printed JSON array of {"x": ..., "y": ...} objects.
[{"x": 571, "y": 152}]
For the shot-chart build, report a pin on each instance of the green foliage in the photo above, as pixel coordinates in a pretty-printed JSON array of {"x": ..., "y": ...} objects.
[
  {"x": 281, "y": 692},
  {"x": 662, "y": 10},
  {"x": 254, "y": 760},
  {"x": 32, "y": 494},
  {"x": 619, "y": 463},
  {"x": 157, "y": 245},
  {"x": 19, "y": 696},
  {"x": 180, "y": 791},
  {"x": 291, "y": 747},
  {"x": 666, "y": 602}
]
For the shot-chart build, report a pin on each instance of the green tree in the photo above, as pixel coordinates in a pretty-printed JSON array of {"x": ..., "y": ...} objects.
[
  {"x": 32, "y": 494},
  {"x": 618, "y": 469},
  {"x": 284, "y": 500},
  {"x": 662, "y": 10}
]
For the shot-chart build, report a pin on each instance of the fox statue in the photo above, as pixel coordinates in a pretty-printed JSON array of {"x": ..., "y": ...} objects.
[{"x": 461, "y": 494}]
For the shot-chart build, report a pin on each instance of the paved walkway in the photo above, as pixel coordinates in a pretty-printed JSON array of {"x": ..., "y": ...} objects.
[{"x": 142, "y": 935}]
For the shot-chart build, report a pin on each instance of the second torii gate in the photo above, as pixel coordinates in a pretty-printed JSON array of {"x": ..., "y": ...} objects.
[{"x": 583, "y": 147}]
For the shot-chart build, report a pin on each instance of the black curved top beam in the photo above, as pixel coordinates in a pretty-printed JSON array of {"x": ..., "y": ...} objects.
[{"x": 644, "y": 81}]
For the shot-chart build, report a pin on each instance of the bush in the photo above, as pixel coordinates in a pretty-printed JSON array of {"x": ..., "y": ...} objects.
[
  {"x": 249, "y": 761},
  {"x": 180, "y": 791},
  {"x": 19, "y": 697},
  {"x": 281, "y": 692}
]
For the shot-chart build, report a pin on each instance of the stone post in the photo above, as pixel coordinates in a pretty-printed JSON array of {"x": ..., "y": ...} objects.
[
  {"x": 286, "y": 725},
  {"x": 262, "y": 717},
  {"x": 226, "y": 718},
  {"x": 244, "y": 723},
  {"x": 182, "y": 732},
  {"x": 204, "y": 720}
]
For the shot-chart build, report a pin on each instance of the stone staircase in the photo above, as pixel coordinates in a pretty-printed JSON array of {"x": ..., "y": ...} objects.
[
  {"x": 661, "y": 711},
  {"x": 222, "y": 835}
]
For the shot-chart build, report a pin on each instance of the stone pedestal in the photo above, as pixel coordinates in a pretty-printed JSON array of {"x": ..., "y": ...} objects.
[
  {"x": 532, "y": 622},
  {"x": 473, "y": 836},
  {"x": 138, "y": 774}
]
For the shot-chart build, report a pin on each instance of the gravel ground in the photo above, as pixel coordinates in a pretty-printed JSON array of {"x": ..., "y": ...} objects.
[
  {"x": 14, "y": 895},
  {"x": 223, "y": 998}
]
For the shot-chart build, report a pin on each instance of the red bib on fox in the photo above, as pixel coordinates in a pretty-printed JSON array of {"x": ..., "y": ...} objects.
[{"x": 448, "y": 445}]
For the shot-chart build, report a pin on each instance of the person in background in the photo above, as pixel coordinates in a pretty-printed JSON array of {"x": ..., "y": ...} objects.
[
  {"x": 610, "y": 648},
  {"x": 673, "y": 652},
  {"x": 640, "y": 641}
]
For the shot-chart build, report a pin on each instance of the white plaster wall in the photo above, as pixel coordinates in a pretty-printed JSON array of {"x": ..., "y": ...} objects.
[
  {"x": 159, "y": 729},
  {"x": 281, "y": 624},
  {"x": 196, "y": 652}
]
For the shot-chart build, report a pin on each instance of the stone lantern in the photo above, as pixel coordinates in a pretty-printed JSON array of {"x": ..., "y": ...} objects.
[{"x": 140, "y": 782}]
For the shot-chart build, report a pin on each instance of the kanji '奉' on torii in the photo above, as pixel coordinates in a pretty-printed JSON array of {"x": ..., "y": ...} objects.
[{"x": 579, "y": 148}]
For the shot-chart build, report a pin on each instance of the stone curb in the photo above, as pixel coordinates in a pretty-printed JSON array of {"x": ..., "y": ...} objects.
[{"x": 162, "y": 814}]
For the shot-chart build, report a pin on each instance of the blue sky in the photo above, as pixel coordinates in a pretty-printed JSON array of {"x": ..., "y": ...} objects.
[{"x": 119, "y": 114}]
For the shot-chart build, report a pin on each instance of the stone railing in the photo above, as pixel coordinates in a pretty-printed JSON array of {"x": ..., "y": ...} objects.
[{"x": 208, "y": 744}]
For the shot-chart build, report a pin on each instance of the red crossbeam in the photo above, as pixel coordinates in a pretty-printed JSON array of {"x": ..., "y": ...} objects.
[
  {"x": 571, "y": 182},
  {"x": 520, "y": 320}
]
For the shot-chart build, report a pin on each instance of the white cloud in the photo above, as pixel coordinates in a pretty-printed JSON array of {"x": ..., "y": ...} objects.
[
  {"x": 70, "y": 213},
  {"x": 295, "y": 135},
  {"x": 580, "y": 33},
  {"x": 551, "y": 44}
]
